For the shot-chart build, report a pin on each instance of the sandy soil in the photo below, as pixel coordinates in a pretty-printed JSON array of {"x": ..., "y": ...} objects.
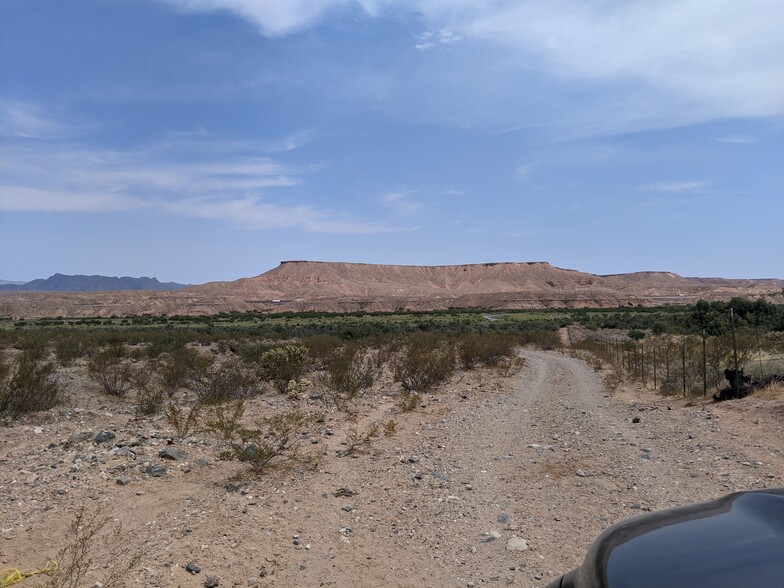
[{"x": 547, "y": 455}]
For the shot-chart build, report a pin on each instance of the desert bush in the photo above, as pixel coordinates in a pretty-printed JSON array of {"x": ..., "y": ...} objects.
[
  {"x": 222, "y": 381},
  {"x": 68, "y": 349},
  {"x": 273, "y": 438},
  {"x": 110, "y": 369},
  {"x": 357, "y": 442},
  {"x": 390, "y": 428},
  {"x": 28, "y": 385},
  {"x": 540, "y": 338},
  {"x": 280, "y": 365},
  {"x": 484, "y": 349},
  {"x": 408, "y": 400},
  {"x": 424, "y": 362},
  {"x": 350, "y": 370},
  {"x": 150, "y": 394},
  {"x": 176, "y": 368},
  {"x": 184, "y": 420},
  {"x": 75, "y": 559},
  {"x": 322, "y": 347}
]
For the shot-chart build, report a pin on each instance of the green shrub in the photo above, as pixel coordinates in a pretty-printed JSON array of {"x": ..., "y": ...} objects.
[
  {"x": 222, "y": 381},
  {"x": 280, "y": 365},
  {"x": 425, "y": 362},
  {"x": 350, "y": 370},
  {"x": 484, "y": 349},
  {"x": 272, "y": 438},
  {"x": 176, "y": 368},
  {"x": 110, "y": 369},
  {"x": 28, "y": 385},
  {"x": 150, "y": 393},
  {"x": 182, "y": 420}
]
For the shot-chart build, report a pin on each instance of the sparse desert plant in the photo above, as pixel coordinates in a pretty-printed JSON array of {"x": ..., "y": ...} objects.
[
  {"x": 540, "y": 338},
  {"x": 110, "y": 369},
  {"x": 357, "y": 442},
  {"x": 390, "y": 428},
  {"x": 68, "y": 349},
  {"x": 150, "y": 394},
  {"x": 773, "y": 391},
  {"x": 408, "y": 400},
  {"x": 223, "y": 381},
  {"x": 273, "y": 438},
  {"x": 484, "y": 349},
  {"x": 28, "y": 385},
  {"x": 184, "y": 420},
  {"x": 296, "y": 389},
  {"x": 425, "y": 362},
  {"x": 350, "y": 371},
  {"x": 280, "y": 365},
  {"x": 75, "y": 559},
  {"x": 322, "y": 347},
  {"x": 176, "y": 368}
]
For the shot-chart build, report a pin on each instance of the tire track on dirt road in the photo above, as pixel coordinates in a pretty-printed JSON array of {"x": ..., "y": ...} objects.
[{"x": 559, "y": 460}]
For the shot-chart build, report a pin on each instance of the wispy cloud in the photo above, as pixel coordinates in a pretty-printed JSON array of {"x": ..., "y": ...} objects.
[
  {"x": 434, "y": 39},
  {"x": 677, "y": 187},
  {"x": 736, "y": 140},
  {"x": 272, "y": 18},
  {"x": 28, "y": 121},
  {"x": 401, "y": 203},
  {"x": 219, "y": 181},
  {"x": 628, "y": 65}
]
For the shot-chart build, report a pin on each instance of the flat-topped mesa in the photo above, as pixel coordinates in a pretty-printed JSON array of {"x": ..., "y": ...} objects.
[{"x": 300, "y": 285}]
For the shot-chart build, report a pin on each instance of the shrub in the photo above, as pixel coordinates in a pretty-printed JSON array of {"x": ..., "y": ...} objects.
[
  {"x": 28, "y": 385},
  {"x": 540, "y": 338},
  {"x": 357, "y": 442},
  {"x": 484, "y": 348},
  {"x": 149, "y": 393},
  {"x": 69, "y": 348},
  {"x": 272, "y": 438},
  {"x": 184, "y": 421},
  {"x": 280, "y": 365},
  {"x": 425, "y": 362},
  {"x": 228, "y": 380},
  {"x": 110, "y": 369},
  {"x": 75, "y": 561},
  {"x": 176, "y": 368},
  {"x": 322, "y": 347},
  {"x": 350, "y": 371}
]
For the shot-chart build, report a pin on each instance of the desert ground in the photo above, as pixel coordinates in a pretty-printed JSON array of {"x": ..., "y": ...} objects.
[{"x": 545, "y": 454}]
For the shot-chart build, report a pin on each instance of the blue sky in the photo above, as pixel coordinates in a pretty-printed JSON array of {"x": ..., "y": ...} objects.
[{"x": 198, "y": 140}]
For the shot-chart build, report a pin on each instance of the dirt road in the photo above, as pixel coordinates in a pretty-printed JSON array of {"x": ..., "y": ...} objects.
[{"x": 546, "y": 455}]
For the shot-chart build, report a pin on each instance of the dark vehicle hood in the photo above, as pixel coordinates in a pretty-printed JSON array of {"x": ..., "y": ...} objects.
[{"x": 734, "y": 542}]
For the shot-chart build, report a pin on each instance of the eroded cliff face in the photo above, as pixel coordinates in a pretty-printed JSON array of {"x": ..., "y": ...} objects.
[{"x": 341, "y": 287}]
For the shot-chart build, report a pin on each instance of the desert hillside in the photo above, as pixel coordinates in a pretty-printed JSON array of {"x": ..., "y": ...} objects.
[{"x": 346, "y": 287}]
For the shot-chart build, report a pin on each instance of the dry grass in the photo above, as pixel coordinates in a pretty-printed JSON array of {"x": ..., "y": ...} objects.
[{"x": 773, "y": 391}]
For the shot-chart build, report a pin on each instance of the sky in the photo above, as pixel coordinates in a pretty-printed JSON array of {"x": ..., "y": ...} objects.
[{"x": 200, "y": 140}]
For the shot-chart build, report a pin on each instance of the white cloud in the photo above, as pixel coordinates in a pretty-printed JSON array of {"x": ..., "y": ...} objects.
[
  {"x": 440, "y": 38},
  {"x": 26, "y": 199},
  {"x": 626, "y": 65},
  {"x": 27, "y": 121},
  {"x": 736, "y": 140},
  {"x": 693, "y": 186},
  {"x": 219, "y": 181},
  {"x": 272, "y": 17},
  {"x": 401, "y": 203}
]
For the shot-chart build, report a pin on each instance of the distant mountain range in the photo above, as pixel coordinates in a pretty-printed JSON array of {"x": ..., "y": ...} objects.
[
  {"x": 64, "y": 283},
  {"x": 298, "y": 286}
]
